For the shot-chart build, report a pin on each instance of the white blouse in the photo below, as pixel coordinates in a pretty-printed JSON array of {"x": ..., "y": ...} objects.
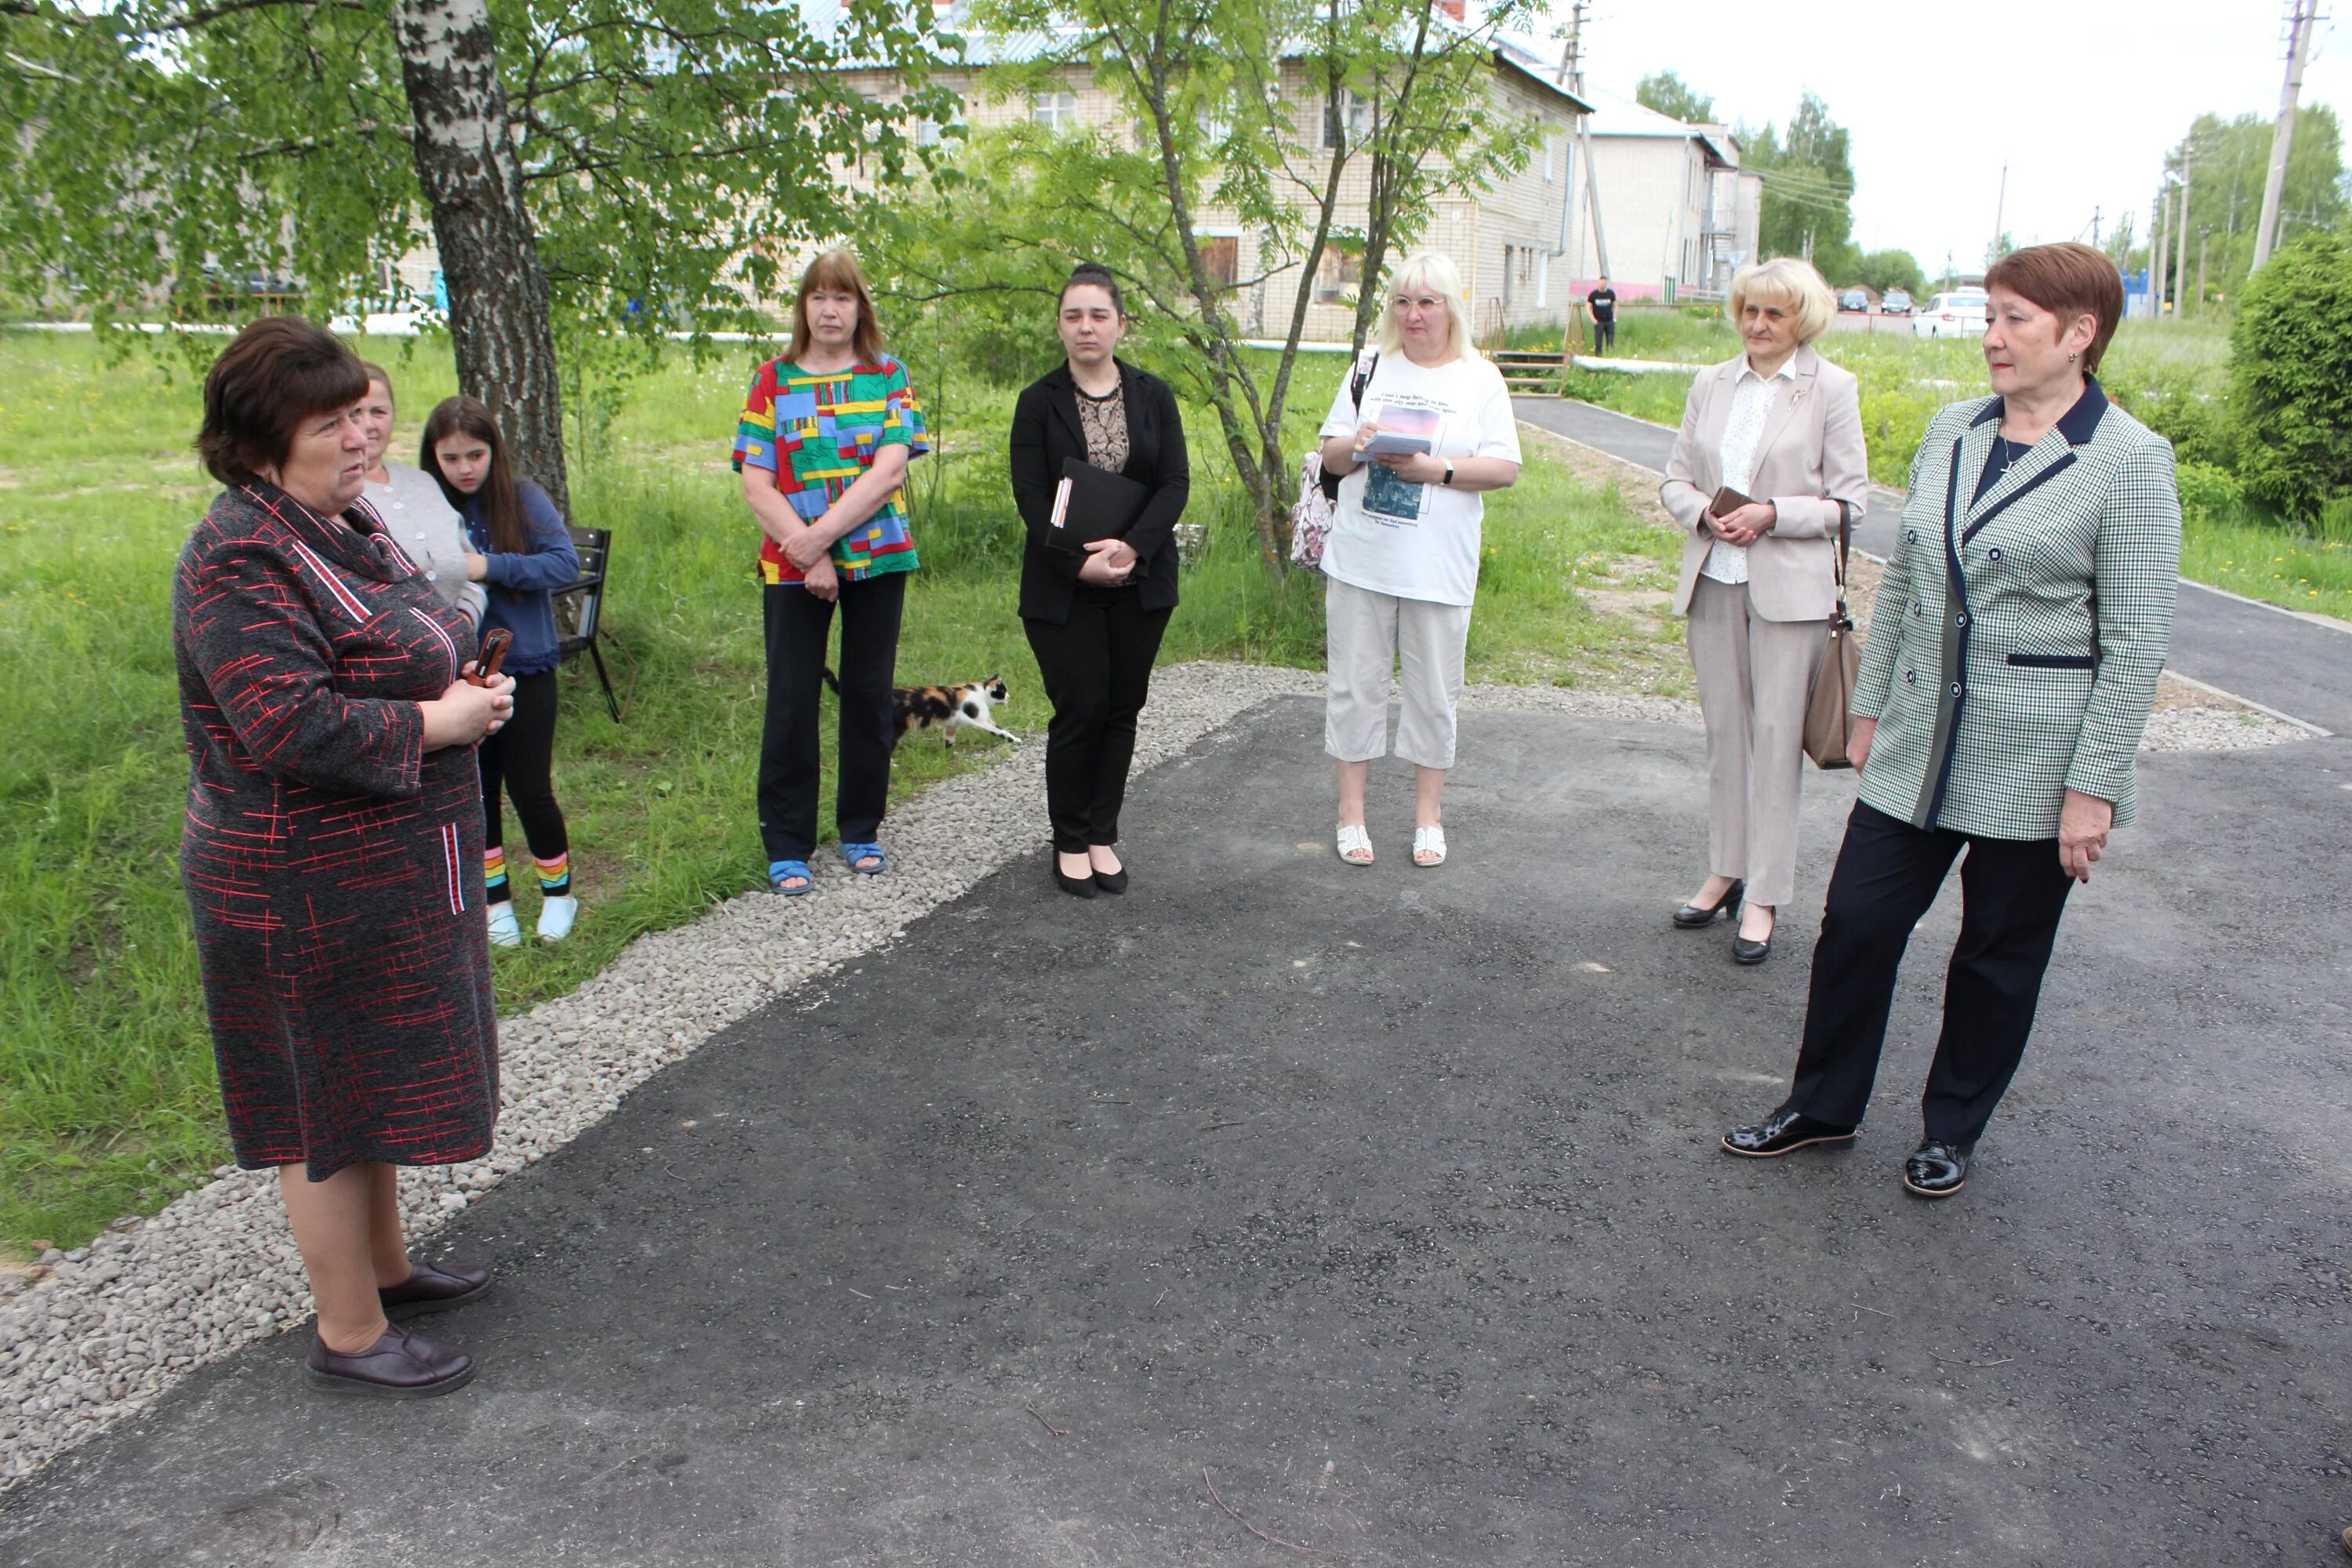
[{"x": 1751, "y": 406}]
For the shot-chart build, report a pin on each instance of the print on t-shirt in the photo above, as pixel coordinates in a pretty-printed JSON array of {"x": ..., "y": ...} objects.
[{"x": 1385, "y": 495}]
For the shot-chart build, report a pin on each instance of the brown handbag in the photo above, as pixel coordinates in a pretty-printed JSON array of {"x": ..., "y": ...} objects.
[{"x": 1829, "y": 710}]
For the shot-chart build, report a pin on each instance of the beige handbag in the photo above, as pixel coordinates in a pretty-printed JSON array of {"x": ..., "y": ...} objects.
[{"x": 1829, "y": 710}]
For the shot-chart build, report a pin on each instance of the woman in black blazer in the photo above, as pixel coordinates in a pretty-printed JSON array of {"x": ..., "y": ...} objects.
[{"x": 1095, "y": 619}]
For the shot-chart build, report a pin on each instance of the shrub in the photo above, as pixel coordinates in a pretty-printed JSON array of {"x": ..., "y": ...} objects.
[
  {"x": 2207, "y": 494},
  {"x": 2290, "y": 357}
]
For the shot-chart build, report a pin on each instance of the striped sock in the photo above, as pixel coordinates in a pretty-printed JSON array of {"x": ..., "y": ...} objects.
[
  {"x": 554, "y": 876},
  {"x": 494, "y": 874}
]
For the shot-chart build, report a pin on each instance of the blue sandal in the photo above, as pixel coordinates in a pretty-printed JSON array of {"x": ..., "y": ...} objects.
[
  {"x": 782, "y": 871},
  {"x": 851, "y": 854}
]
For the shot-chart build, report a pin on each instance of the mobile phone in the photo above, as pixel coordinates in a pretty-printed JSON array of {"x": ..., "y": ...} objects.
[{"x": 495, "y": 643}]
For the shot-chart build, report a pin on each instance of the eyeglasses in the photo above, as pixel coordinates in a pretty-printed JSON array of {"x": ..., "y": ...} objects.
[{"x": 1425, "y": 301}]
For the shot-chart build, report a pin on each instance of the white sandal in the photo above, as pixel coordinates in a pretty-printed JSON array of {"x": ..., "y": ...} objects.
[
  {"x": 1429, "y": 841},
  {"x": 1354, "y": 843}
]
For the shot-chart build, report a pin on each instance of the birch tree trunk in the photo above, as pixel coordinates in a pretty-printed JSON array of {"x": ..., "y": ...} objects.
[{"x": 499, "y": 312}]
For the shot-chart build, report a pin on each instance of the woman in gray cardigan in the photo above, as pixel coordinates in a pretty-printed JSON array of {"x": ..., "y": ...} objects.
[
  {"x": 2006, "y": 679},
  {"x": 416, "y": 514}
]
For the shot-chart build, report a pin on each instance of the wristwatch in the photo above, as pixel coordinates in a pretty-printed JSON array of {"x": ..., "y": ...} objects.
[{"x": 1448, "y": 479}]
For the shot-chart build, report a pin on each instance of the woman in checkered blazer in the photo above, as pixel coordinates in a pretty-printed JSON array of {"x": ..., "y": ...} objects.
[{"x": 2006, "y": 678}]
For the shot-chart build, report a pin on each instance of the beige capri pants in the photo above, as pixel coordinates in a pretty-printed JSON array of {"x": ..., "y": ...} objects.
[{"x": 1367, "y": 635}]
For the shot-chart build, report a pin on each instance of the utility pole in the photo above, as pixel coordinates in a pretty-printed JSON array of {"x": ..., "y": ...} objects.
[
  {"x": 2303, "y": 20},
  {"x": 2000, "y": 207},
  {"x": 1572, "y": 67},
  {"x": 2180, "y": 263},
  {"x": 2161, "y": 255},
  {"x": 2204, "y": 234},
  {"x": 2094, "y": 227}
]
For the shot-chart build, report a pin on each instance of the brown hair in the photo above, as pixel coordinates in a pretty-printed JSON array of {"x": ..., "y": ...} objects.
[
  {"x": 1096, "y": 274},
  {"x": 276, "y": 373},
  {"x": 2067, "y": 281},
  {"x": 836, "y": 272},
  {"x": 501, "y": 508}
]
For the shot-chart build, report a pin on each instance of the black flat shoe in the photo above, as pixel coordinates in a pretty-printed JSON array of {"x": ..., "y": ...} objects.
[
  {"x": 400, "y": 1365},
  {"x": 431, "y": 1289},
  {"x": 1076, "y": 887},
  {"x": 1782, "y": 1131},
  {"x": 1690, "y": 917},
  {"x": 1750, "y": 952},
  {"x": 1937, "y": 1170},
  {"x": 1112, "y": 881}
]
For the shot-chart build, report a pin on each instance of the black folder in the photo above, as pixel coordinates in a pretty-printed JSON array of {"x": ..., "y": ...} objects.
[{"x": 1092, "y": 503}]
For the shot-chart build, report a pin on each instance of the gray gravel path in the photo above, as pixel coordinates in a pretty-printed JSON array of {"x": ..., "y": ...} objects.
[{"x": 1385, "y": 1198}]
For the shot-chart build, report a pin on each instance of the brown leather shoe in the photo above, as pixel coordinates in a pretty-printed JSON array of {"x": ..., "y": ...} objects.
[
  {"x": 399, "y": 1365},
  {"x": 431, "y": 1289}
]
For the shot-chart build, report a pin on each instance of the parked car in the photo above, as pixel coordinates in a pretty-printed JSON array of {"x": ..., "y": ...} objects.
[
  {"x": 1854, "y": 299},
  {"x": 1957, "y": 315},
  {"x": 1896, "y": 303}
]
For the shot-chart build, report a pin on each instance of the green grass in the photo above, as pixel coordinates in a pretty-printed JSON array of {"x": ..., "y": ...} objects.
[
  {"x": 2297, "y": 571},
  {"x": 108, "y": 1103}
]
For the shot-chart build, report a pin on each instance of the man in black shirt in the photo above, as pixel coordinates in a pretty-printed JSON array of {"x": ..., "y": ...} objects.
[{"x": 1603, "y": 301}]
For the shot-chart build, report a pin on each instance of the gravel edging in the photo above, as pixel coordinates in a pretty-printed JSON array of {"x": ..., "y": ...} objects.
[{"x": 113, "y": 1325}]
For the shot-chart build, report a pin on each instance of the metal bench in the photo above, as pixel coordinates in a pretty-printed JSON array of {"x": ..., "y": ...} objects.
[{"x": 580, "y": 608}]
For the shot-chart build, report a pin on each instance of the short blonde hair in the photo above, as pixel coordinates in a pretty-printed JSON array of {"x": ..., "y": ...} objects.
[
  {"x": 1785, "y": 280},
  {"x": 1434, "y": 271}
]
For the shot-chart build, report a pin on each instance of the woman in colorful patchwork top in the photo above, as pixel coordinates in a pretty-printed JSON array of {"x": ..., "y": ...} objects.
[{"x": 826, "y": 433}]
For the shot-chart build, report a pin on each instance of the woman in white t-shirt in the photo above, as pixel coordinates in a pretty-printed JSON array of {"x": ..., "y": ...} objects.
[{"x": 1402, "y": 556}]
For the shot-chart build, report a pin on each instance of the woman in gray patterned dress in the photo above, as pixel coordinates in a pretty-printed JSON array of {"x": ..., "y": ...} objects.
[
  {"x": 2010, "y": 661},
  {"x": 331, "y": 846}
]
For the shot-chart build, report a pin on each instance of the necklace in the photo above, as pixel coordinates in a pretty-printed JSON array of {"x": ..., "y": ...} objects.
[{"x": 2011, "y": 451}]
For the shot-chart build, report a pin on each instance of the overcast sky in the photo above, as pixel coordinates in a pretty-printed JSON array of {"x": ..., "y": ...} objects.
[{"x": 2080, "y": 98}]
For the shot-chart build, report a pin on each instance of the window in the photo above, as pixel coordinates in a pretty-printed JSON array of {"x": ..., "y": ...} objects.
[
  {"x": 1221, "y": 258},
  {"x": 1339, "y": 276},
  {"x": 1357, "y": 114},
  {"x": 1055, "y": 110},
  {"x": 927, "y": 131}
]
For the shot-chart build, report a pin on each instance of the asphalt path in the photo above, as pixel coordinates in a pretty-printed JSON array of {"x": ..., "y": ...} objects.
[
  {"x": 1386, "y": 1204},
  {"x": 2297, "y": 666}
]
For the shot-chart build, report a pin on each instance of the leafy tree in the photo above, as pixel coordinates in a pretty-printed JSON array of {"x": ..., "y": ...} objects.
[
  {"x": 1235, "y": 113},
  {"x": 1808, "y": 190},
  {"x": 587, "y": 168},
  {"x": 2291, "y": 360},
  {"x": 2227, "y": 162},
  {"x": 1886, "y": 269},
  {"x": 1675, "y": 98}
]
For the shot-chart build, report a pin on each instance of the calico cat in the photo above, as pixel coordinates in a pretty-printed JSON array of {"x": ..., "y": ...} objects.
[{"x": 920, "y": 707}]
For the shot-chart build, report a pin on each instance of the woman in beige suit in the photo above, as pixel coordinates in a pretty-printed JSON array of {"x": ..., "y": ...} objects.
[{"x": 1780, "y": 429}]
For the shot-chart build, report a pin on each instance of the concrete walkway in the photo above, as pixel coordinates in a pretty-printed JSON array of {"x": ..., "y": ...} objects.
[
  {"x": 2296, "y": 666},
  {"x": 1386, "y": 1202}
]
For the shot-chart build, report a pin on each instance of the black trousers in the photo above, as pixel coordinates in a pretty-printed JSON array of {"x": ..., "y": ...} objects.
[
  {"x": 520, "y": 761},
  {"x": 1097, "y": 672},
  {"x": 1604, "y": 334},
  {"x": 799, "y": 625},
  {"x": 2011, "y": 893}
]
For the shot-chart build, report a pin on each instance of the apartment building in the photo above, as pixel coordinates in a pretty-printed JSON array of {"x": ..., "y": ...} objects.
[{"x": 1677, "y": 210}]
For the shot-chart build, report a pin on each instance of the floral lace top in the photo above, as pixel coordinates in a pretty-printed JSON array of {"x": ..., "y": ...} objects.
[{"x": 1104, "y": 420}]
